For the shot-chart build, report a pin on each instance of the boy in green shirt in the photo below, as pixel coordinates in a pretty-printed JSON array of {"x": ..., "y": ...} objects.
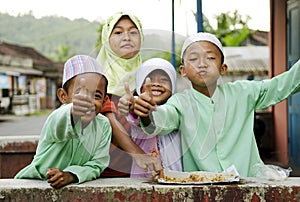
[
  {"x": 75, "y": 139},
  {"x": 215, "y": 120}
]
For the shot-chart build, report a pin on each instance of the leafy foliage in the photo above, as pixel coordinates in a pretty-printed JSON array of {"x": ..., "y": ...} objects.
[
  {"x": 63, "y": 53},
  {"x": 232, "y": 28}
]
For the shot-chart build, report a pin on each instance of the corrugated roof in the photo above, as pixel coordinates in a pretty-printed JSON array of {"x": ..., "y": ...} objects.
[{"x": 247, "y": 59}]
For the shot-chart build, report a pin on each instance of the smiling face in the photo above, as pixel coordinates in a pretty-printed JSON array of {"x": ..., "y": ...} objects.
[
  {"x": 125, "y": 39},
  {"x": 161, "y": 86},
  {"x": 95, "y": 86},
  {"x": 203, "y": 66}
]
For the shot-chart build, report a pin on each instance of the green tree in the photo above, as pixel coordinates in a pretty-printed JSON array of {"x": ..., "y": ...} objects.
[
  {"x": 62, "y": 53},
  {"x": 232, "y": 28}
]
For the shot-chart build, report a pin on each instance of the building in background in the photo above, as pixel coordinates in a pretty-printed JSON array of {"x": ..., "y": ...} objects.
[{"x": 28, "y": 80}]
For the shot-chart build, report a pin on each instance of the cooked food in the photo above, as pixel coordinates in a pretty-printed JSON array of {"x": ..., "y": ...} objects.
[{"x": 197, "y": 177}]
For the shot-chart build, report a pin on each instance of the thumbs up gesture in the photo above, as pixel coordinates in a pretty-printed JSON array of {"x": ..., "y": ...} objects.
[
  {"x": 126, "y": 102},
  {"x": 147, "y": 86},
  {"x": 82, "y": 103},
  {"x": 83, "y": 90},
  {"x": 144, "y": 104}
]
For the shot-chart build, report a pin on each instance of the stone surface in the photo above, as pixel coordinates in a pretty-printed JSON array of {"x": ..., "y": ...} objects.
[{"x": 131, "y": 189}]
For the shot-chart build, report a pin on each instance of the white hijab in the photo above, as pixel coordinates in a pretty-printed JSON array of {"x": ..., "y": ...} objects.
[{"x": 153, "y": 64}]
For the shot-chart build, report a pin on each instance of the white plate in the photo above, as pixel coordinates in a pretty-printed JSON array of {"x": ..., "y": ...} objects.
[{"x": 205, "y": 177}]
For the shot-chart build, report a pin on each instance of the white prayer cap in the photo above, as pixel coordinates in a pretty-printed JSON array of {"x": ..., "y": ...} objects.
[
  {"x": 80, "y": 64},
  {"x": 153, "y": 64},
  {"x": 201, "y": 36}
]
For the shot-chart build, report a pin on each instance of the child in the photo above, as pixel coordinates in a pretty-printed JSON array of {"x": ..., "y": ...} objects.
[
  {"x": 163, "y": 77},
  {"x": 215, "y": 120},
  {"x": 74, "y": 142}
]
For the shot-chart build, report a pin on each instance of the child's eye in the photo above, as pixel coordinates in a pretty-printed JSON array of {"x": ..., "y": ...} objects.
[
  {"x": 211, "y": 58},
  {"x": 192, "y": 59},
  {"x": 98, "y": 96},
  {"x": 164, "y": 79}
]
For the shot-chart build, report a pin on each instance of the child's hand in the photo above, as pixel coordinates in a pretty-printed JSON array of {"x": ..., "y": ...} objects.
[
  {"x": 147, "y": 162},
  {"x": 126, "y": 102},
  {"x": 83, "y": 105},
  {"x": 58, "y": 178},
  {"x": 145, "y": 103}
]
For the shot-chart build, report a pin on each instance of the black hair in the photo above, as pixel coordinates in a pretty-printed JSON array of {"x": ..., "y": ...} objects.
[{"x": 125, "y": 17}]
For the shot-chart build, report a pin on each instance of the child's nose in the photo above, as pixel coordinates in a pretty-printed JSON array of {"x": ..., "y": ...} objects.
[
  {"x": 155, "y": 84},
  {"x": 155, "y": 81},
  {"x": 202, "y": 64}
]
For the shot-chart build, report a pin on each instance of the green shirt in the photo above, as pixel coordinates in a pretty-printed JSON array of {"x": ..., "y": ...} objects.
[
  {"x": 83, "y": 152},
  {"x": 217, "y": 132}
]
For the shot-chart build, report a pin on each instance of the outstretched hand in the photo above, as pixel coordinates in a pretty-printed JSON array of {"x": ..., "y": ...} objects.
[
  {"x": 126, "y": 102},
  {"x": 144, "y": 104}
]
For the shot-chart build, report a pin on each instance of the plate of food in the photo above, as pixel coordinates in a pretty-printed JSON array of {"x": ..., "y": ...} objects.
[{"x": 197, "y": 177}]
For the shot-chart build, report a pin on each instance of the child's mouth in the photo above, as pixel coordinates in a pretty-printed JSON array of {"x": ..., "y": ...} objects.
[
  {"x": 202, "y": 73},
  {"x": 156, "y": 93}
]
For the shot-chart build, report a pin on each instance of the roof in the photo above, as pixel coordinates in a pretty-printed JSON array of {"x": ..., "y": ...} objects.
[
  {"x": 26, "y": 60},
  {"x": 25, "y": 52},
  {"x": 245, "y": 59},
  {"x": 16, "y": 71}
]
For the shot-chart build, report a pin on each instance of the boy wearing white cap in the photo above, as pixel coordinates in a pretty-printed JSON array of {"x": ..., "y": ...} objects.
[
  {"x": 215, "y": 120},
  {"x": 168, "y": 148},
  {"x": 75, "y": 139}
]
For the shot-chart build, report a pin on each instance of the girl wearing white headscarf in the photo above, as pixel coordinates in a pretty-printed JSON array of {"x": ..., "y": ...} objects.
[{"x": 167, "y": 147}]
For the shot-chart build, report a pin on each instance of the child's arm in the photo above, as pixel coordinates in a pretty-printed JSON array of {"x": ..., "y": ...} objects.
[
  {"x": 280, "y": 87},
  {"x": 121, "y": 137}
]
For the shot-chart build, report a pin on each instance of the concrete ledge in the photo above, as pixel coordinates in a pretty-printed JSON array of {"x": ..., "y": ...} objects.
[
  {"x": 16, "y": 144},
  {"x": 128, "y": 189},
  {"x": 16, "y": 152}
]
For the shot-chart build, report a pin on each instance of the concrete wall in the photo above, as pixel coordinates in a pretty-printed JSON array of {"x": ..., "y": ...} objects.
[
  {"x": 15, "y": 153},
  {"x": 127, "y": 189}
]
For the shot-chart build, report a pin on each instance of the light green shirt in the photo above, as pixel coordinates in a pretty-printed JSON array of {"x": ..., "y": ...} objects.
[
  {"x": 217, "y": 132},
  {"x": 83, "y": 152}
]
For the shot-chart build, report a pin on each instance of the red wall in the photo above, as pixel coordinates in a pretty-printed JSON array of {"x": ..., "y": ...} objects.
[{"x": 278, "y": 63}]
